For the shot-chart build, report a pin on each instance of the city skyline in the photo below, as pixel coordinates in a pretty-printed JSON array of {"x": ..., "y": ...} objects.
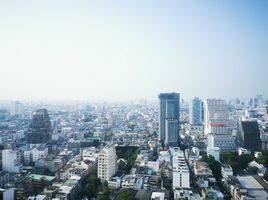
[{"x": 132, "y": 50}]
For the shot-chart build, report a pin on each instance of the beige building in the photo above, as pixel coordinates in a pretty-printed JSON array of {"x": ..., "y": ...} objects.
[{"x": 107, "y": 165}]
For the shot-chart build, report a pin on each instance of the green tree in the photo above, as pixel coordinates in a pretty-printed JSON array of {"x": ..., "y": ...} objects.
[
  {"x": 237, "y": 162},
  {"x": 91, "y": 185},
  {"x": 252, "y": 170},
  {"x": 214, "y": 165},
  {"x": 101, "y": 197},
  {"x": 266, "y": 175},
  {"x": 125, "y": 195}
]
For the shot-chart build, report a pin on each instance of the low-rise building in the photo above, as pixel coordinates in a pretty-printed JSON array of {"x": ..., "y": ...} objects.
[
  {"x": 186, "y": 194},
  {"x": 153, "y": 183},
  {"x": 242, "y": 151},
  {"x": 158, "y": 196},
  {"x": 226, "y": 170},
  {"x": 71, "y": 189},
  {"x": 115, "y": 181},
  {"x": 132, "y": 182},
  {"x": 201, "y": 169},
  {"x": 261, "y": 169},
  {"x": 247, "y": 187},
  {"x": 211, "y": 194}
]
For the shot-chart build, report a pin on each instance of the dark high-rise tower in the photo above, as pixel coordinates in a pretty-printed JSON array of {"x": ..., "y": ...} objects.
[
  {"x": 249, "y": 135},
  {"x": 169, "y": 115},
  {"x": 39, "y": 130}
]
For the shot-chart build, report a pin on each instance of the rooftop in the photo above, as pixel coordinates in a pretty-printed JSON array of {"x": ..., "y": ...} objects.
[
  {"x": 38, "y": 177},
  {"x": 249, "y": 182}
]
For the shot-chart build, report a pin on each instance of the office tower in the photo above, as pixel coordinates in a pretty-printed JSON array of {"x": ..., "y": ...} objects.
[
  {"x": 196, "y": 111},
  {"x": 169, "y": 108},
  {"x": 11, "y": 161},
  {"x": 39, "y": 130},
  {"x": 181, "y": 173},
  {"x": 107, "y": 165},
  {"x": 248, "y": 135},
  {"x": 16, "y": 108},
  {"x": 172, "y": 132},
  {"x": 216, "y": 116}
]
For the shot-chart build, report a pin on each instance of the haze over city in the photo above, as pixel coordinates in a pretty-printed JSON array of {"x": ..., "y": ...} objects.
[
  {"x": 133, "y": 100},
  {"x": 121, "y": 50}
]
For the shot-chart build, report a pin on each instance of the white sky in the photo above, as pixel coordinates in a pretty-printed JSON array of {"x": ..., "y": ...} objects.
[{"x": 118, "y": 50}]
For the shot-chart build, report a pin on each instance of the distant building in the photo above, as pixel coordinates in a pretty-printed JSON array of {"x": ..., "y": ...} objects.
[
  {"x": 249, "y": 135},
  {"x": 215, "y": 116},
  {"x": 16, "y": 108},
  {"x": 107, "y": 165},
  {"x": 39, "y": 130},
  {"x": 11, "y": 161},
  {"x": 196, "y": 112},
  {"x": 169, "y": 108}
]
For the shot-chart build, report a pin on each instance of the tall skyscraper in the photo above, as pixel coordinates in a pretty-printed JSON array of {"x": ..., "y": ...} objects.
[
  {"x": 39, "y": 130},
  {"x": 196, "y": 111},
  {"x": 248, "y": 135},
  {"x": 107, "y": 165},
  {"x": 169, "y": 115},
  {"x": 216, "y": 116}
]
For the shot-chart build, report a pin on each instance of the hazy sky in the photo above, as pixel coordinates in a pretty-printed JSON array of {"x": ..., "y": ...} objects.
[{"x": 121, "y": 50}]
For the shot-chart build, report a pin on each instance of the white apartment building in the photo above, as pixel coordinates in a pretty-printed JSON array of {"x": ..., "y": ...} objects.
[
  {"x": 215, "y": 116},
  {"x": 34, "y": 154},
  {"x": 181, "y": 174},
  {"x": 107, "y": 165},
  {"x": 11, "y": 161}
]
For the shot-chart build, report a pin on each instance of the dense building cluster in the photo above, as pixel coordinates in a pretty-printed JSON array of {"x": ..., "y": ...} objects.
[{"x": 171, "y": 149}]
